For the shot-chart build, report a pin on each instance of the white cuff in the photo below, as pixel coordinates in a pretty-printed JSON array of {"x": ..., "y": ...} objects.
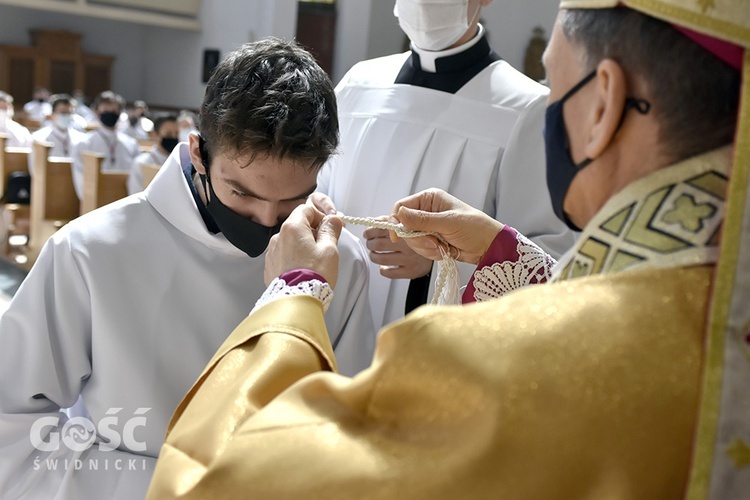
[{"x": 278, "y": 288}]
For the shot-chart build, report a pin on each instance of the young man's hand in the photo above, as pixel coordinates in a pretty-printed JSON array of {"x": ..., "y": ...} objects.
[{"x": 323, "y": 202}]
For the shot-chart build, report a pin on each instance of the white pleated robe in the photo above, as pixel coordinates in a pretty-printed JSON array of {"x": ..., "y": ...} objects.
[{"x": 482, "y": 144}]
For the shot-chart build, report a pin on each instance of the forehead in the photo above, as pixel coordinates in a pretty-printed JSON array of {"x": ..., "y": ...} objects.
[
  {"x": 263, "y": 164},
  {"x": 108, "y": 105}
]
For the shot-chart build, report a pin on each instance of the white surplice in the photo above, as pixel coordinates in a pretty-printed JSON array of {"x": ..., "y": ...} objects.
[
  {"x": 482, "y": 144},
  {"x": 125, "y": 306}
]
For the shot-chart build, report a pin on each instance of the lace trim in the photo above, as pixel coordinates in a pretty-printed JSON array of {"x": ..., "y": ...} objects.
[
  {"x": 278, "y": 288},
  {"x": 533, "y": 266}
]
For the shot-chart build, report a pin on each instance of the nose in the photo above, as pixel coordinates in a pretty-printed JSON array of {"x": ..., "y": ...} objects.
[{"x": 267, "y": 214}]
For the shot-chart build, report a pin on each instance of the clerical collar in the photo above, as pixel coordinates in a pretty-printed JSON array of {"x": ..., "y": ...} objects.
[
  {"x": 453, "y": 68},
  {"x": 438, "y": 61}
]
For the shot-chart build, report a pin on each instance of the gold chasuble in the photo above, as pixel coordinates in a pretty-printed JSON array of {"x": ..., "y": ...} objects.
[
  {"x": 585, "y": 388},
  {"x": 627, "y": 378}
]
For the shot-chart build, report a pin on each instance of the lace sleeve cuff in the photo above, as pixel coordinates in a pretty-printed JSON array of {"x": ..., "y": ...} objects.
[
  {"x": 297, "y": 282},
  {"x": 511, "y": 262}
]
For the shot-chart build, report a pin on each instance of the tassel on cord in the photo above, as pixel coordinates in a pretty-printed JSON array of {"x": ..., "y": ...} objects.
[{"x": 447, "y": 281}]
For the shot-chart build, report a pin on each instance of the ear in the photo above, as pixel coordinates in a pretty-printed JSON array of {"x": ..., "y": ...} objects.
[
  {"x": 611, "y": 92},
  {"x": 195, "y": 152}
]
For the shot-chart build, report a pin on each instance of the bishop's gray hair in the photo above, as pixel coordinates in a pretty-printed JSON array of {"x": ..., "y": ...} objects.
[{"x": 693, "y": 94}]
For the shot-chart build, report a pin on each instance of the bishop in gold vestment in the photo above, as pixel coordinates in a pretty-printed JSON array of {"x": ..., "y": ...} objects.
[{"x": 599, "y": 385}]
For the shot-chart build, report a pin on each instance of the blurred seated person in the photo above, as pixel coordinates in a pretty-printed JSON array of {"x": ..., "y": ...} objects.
[
  {"x": 38, "y": 109},
  {"x": 82, "y": 109},
  {"x": 119, "y": 149},
  {"x": 59, "y": 129},
  {"x": 135, "y": 123},
  {"x": 166, "y": 130},
  {"x": 18, "y": 135},
  {"x": 186, "y": 123}
]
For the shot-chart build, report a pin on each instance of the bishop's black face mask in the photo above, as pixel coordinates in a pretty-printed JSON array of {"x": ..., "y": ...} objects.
[
  {"x": 250, "y": 237},
  {"x": 561, "y": 169}
]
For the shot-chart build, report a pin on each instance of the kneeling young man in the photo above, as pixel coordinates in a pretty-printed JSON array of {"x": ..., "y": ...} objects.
[{"x": 127, "y": 304}]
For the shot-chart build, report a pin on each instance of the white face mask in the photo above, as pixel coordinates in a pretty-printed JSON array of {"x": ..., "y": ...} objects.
[
  {"x": 64, "y": 121},
  {"x": 433, "y": 24},
  {"x": 6, "y": 113}
]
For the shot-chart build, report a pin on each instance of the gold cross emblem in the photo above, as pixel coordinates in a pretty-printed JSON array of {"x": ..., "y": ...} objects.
[{"x": 689, "y": 214}]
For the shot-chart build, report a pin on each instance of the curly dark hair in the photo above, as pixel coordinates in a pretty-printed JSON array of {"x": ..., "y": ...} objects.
[
  {"x": 694, "y": 95},
  {"x": 271, "y": 97}
]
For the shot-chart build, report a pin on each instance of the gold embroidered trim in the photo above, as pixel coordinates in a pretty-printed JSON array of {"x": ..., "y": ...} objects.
[
  {"x": 700, "y": 477},
  {"x": 671, "y": 218},
  {"x": 728, "y": 20}
]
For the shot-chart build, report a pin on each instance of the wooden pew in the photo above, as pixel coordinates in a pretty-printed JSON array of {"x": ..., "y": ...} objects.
[
  {"x": 149, "y": 172},
  {"x": 146, "y": 145},
  {"x": 100, "y": 188},
  {"x": 15, "y": 216},
  {"x": 11, "y": 160},
  {"x": 53, "y": 198}
]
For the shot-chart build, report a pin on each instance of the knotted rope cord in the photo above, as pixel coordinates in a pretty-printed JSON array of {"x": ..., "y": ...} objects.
[{"x": 446, "y": 283}]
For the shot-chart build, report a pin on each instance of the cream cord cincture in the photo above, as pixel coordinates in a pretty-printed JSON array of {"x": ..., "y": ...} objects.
[{"x": 446, "y": 283}]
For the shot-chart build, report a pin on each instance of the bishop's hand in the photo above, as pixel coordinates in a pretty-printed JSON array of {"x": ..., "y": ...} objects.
[
  {"x": 307, "y": 240},
  {"x": 464, "y": 228}
]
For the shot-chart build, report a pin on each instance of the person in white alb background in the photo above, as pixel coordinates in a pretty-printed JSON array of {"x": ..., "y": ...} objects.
[
  {"x": 39, "y": 108},
  {"x": 59, "y": 130},
  {"x": 449, "y": 114},
  {"x": 135, "y": 122},
  {"x": 119, "y": 150},
  {"x": 167, "y": 131},
  {"x": 18, "y": 135}
]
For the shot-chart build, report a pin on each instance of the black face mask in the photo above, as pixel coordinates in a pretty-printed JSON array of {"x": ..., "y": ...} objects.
[
  {"x": 109, "y": 119},
  {"x": 169, "y": 143},
  {"x": 250, "y": 237},
  {"x": 560, "y": 166}
]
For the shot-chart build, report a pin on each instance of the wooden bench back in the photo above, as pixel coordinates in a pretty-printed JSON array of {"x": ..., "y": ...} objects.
[
  {"x": 146, "y": 145},
  {"x": 100, "y": 188},
  {"x": 11, "y": 160},
  {"x": 53, "y": 198}
]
